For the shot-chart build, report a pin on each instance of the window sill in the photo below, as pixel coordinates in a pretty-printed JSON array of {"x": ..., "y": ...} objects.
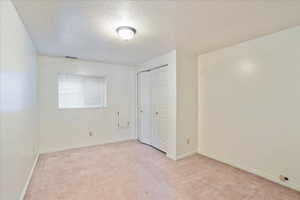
[{"x": 80, "y": 108}]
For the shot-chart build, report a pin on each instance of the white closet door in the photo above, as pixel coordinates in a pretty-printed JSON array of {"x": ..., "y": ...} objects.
[
  {"x": 160, "y": 107},
  {"x": 144, "y": 108},
  {"x": 153, "y": 108}
]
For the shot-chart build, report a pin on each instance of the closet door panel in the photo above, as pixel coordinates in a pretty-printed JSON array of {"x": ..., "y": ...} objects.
[
  {"x": 155, "y": 116},
  {"x": 160, "y": 104},
  {"x": 145, "y": 108}
]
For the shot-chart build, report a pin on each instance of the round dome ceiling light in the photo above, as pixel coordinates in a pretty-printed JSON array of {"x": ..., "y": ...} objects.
[{"x": 126, "y": 32}]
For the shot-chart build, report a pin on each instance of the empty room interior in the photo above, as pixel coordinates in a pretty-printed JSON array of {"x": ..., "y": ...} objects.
[{"x": 149, "y": 100}]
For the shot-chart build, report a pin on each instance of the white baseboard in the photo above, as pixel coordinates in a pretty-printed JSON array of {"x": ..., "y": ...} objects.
[
  {"x": 263, "y": 174},
  {"x": 29, "y": 177},
  {"x": 54, "y": 150},
  {"x": 171, "y": 156},
  {"x": 186, "y": 155}
]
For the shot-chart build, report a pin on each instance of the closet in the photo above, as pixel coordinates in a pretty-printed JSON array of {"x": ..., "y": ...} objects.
[{"x": 153, "y": 107}]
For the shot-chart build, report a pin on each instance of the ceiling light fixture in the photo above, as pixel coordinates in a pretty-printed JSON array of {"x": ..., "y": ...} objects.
[{"x": 126, "y": 32}]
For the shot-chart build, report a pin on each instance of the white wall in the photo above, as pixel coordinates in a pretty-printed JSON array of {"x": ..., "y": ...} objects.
[
  {"x": 187, "y": 104},
  {"x": 170, "y": 59},
  {"x": 69, "y": 128},
  {"x": 18, "y": 104},
  {"x": 249, "y": 100}
]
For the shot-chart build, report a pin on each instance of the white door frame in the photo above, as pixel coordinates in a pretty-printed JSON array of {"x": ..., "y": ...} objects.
[{"x": 137, "y": 96}]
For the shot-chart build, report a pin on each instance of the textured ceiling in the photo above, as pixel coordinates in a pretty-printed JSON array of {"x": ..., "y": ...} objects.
[{"x": 86, "y": 28}]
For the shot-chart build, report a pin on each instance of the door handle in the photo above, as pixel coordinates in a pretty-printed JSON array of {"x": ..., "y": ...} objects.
[{"x": 156, "y": 113}]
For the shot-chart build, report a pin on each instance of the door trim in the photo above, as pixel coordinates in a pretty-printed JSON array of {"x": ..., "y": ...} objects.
[{"x": 137, "y": 98}]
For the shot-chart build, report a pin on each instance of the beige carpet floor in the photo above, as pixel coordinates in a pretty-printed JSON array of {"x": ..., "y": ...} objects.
[{"x": 133, "y": 171}]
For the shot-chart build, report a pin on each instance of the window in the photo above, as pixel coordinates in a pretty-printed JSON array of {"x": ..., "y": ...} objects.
[{"x": 78, "y": 91}]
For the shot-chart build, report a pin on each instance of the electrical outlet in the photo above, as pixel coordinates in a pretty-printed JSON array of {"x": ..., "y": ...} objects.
[
  {"x": 188, "y": 141},
  {"x": 90, "y": 133}
]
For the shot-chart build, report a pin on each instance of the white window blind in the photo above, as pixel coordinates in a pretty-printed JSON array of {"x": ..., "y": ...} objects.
[{"x": 79, "y": 91}]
